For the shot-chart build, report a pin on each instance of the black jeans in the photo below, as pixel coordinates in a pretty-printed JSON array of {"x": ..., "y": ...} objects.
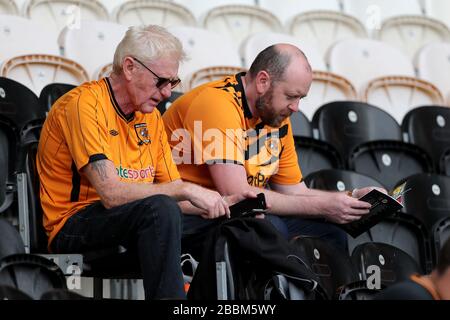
[{"x": 151, "y": 226}]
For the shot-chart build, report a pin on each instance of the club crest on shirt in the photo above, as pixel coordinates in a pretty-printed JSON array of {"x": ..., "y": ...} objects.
[
  {"x": 273, "y": 145},
  {"x": 142, "y": 133}
]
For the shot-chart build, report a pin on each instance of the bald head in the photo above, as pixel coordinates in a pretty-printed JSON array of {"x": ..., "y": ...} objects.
[{"x": 276, "y": 59}]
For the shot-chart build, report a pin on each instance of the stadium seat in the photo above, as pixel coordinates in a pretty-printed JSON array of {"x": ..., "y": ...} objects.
[
  {"x": 101, "y": 35},
  {"x": 8, "y": 7},
  {"x": 410, "y": 33},
  {"x": 58, "y": 14},
  {"x": 20, "y": 36},
  {"x": 389, "y": 161},
  {"x": 332, "y": 266},
  {"x": 398, "y": 95},
  {"x": 103, "y": 71},
  {"x": 322, "y": 29},
  {"x": 204, "y": 49},
  {"x": 208, "y": 74},
  {"x": 8, "y": 148},
  {"x": 374, "y": 59},
  {"x": 347, "y": 124},
  {"x": 326, "y": 87},
  {"x": 339, "y": 180},
  {"x": 289, "y": 8},
  {"x": 237, "y": 22},
  {"x": 31, "y": 274},
  {"x": 429, "y": 202},
  {"x": 165, "y": 104},
  {"x": 11, "y": 293},
  {"x": 441, "y": 232},
  {"x": 162, "y": 13},
  {"x": 374, "y": 12},
  {"x": 35, "y": 71},
  {"x": 428, "y": 128},
  {"x": 433, "y": 64},
  {"x": 10, "y": 240},
  {"x": 312, "y": 154},
  {"x": 445, "y": 163},
  {"x": 429, "y": 198},
  {"x": 438, "y": 9},
  {"x": 301, "y": 127},
  {"x": 19, "y": 104},
  {"x": 201, "y": 7},
  {"x": 394, "y": 264},
  {"x": 52, "y": 92},
  {"x": 61, "y": 294}
]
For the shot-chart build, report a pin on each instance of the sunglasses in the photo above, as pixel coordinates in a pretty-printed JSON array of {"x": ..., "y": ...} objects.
[{"x": 161, "y": 82}]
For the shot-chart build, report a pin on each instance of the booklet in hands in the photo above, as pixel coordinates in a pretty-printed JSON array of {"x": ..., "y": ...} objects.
[{"x": 383, "y": 205}]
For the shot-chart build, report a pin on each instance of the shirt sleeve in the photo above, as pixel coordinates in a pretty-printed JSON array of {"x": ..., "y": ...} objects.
[
  {"x": 215, "y": 126},
  {"x": 289, "y": 170},
  {"x": 166, "y": 169},
  {"x": 86, "y": 130}
]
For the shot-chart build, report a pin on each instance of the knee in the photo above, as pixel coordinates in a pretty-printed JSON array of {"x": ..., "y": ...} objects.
[{"x": 164, "y": 208}]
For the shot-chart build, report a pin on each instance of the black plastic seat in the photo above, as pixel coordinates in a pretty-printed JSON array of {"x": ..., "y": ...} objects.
[
  {"x": 52, "y": 92},
  {"x": 428, "y": 201},
  {"x": 339, "y": 180},
  {"x": 429, "y": 198},
  {"x": 445, "y": 163},
  {"x": 347, "y": 124},
  {"x": 429, "y": 128},
  {"x": 165, "y": 104},
  {"x": 402, "y": 231},
  {"x": 11, "y": 293},
  {"x": 31, "y": 274},
  {"x": 8, "y": 157},
  {"x": 332, "y": 266},
  {"x": 441, "y": 232},
  {"x": 10, "y": 240},
  {"x": 19, "y": 104},
  {"x": 301, "y": 127},
  {"x": 389, "y": 161},
  {"x": 394, "y": 264},
  {"x": 312, "y": 154}
]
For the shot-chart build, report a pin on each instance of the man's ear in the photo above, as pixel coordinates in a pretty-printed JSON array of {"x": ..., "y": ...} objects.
[
  {"x": 128, "y": 67},
  {"x": 262, "y": 81}
]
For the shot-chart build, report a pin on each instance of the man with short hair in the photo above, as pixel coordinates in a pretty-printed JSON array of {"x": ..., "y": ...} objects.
[
  {"x": 106, "y": 171},
  {"x": 234, "y": 135}
]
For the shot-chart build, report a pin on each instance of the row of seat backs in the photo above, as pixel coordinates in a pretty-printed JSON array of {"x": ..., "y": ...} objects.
[
  {"x": 105, "y": 36},
  {"x": 422, "y": 226},
  {"x": 354, "y": 127},
  {"x": 347, "y": 277}
]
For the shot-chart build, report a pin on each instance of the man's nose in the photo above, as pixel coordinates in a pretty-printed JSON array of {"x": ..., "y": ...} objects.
[{"x": 166, "y": 92}]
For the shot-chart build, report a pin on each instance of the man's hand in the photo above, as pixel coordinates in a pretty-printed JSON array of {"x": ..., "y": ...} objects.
[
  {"x": 358, "y": 193},
  {"x": 210, "y": 201},
  {"x": 234, "y": 198},
  {"x": 341, "y": 208}
]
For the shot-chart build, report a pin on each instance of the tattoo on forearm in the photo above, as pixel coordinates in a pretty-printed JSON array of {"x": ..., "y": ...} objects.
[{"x": 100, "y": 168}]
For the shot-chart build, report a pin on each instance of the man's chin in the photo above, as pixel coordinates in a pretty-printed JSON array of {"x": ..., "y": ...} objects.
[{"x": 147, "y": 108}]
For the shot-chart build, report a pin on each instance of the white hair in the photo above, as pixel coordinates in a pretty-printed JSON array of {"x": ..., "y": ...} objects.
[{"x": 147, "y": 43}]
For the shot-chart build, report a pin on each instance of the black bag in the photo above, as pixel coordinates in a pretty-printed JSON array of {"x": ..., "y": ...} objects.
[{"x": 259, "y": 263}]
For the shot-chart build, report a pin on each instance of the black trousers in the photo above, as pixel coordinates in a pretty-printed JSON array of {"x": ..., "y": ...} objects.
[{"x": 151, "y": 226}]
